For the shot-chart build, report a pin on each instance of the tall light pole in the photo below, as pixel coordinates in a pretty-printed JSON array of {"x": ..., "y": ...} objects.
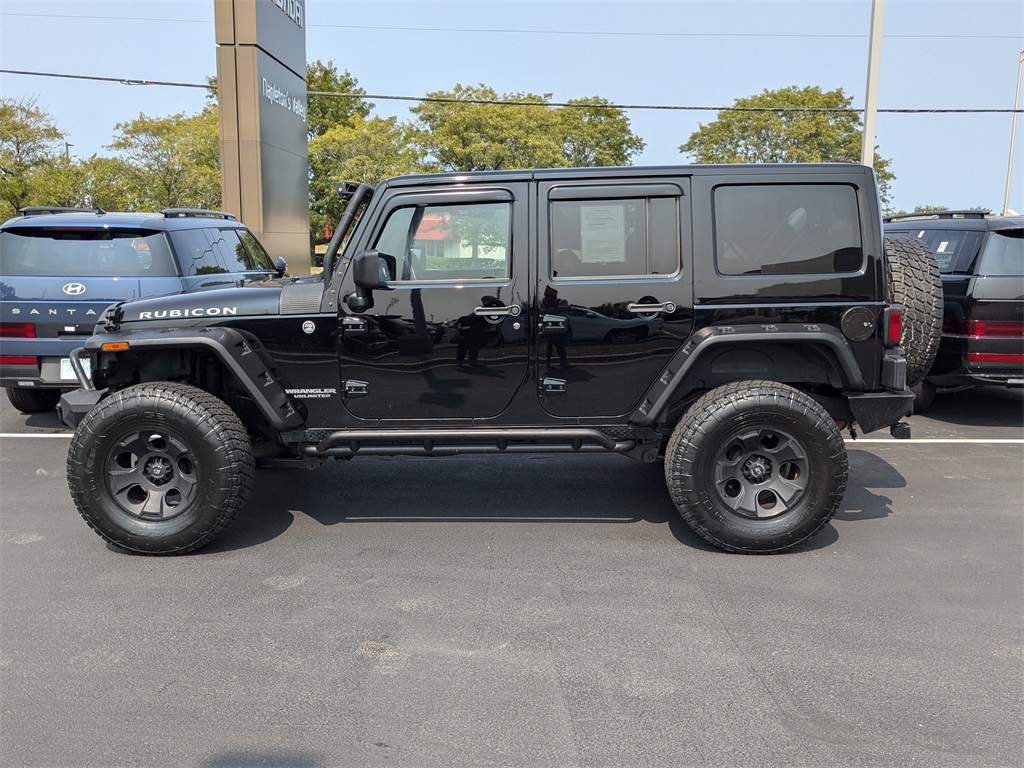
[
  {"x": 1013, "y": 135},
  {"x": 867, "y": 152}
]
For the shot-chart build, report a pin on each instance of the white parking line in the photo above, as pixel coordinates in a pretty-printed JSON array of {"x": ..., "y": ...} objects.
[
  {"x": 949, "y": 441},
  {"x": 8, "y": 435}
]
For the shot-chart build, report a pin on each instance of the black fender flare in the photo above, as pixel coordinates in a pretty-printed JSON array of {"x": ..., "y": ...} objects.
[
  {"x": 240, "y": 352},
  {"x": 662, "y": 393}
]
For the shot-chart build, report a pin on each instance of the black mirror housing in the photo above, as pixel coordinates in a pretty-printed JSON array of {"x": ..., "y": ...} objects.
[
  {"x": 281, "y": 266},
  {"x": 371, "y": 270}
]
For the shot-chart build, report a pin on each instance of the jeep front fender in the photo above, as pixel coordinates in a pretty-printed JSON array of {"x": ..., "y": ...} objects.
[{"x": 240, "y": 352}]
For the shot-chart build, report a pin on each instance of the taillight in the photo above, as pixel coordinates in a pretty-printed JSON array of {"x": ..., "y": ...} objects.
[
  {"x": 18, "y": 330},
  {"x": 995, "y": 329},
  {"x": 18, "y": 360},
  {"x": 989, "y": 357},
  {"x": 894, "y": 326}
]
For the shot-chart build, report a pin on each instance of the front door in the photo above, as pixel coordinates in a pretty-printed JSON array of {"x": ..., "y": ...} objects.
[
  {"x": 448, "y": 341},
  {"x": 613, "y": 289}
]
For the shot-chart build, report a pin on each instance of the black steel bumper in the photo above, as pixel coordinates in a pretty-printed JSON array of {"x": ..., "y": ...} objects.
[{"x": 874, "y": 410}]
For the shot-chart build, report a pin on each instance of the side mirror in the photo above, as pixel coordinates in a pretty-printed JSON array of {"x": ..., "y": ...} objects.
[
  {"x": 370, "y": 270},
  {"x": 281, "y": 266}
]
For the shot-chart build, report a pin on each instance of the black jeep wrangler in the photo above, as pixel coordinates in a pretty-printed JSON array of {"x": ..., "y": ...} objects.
[{"x": 728, "y": 320}]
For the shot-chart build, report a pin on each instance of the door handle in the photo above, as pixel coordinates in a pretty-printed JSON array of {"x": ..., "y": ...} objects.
[
  {"x": 668, "y": 307},
  {"x": 553, "y": 323},
  {"x": 513, "y": 311}
]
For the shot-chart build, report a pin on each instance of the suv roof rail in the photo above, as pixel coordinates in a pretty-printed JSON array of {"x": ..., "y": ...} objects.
[
  {"x": 37, "y": 210},
  {"x": 182, "y": 213},
  {"x": 973, "y": 214}
]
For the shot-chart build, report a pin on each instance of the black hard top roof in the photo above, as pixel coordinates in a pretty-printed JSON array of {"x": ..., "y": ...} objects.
[{"x": 625, "y": 172}]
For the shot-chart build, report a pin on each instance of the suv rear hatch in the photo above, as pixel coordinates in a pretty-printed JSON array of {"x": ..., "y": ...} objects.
[{"x": 55, "y": 283}]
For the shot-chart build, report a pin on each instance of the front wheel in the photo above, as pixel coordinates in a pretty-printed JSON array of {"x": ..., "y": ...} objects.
[
  {"x": 756, "y": 467},
  {"x": 160, "y": 468}
]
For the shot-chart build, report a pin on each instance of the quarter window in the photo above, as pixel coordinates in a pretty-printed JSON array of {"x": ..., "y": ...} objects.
[{"x": 809, "y": 229}]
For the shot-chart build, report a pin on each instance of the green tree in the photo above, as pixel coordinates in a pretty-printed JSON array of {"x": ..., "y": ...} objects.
[
  {"x": 363, "y": 149},
  {"x": 460, "y": 135},
  {"x": 326, "y": 112},
  {"x": 595, "y": 134},
  {"x": 174, "y": 161},
  {"x": 29, "y": 140},
  {"x": 785, "y": 136}
]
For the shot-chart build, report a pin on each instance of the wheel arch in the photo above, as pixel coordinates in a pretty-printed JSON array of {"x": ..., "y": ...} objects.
[
  {"x": 804, "y": 356},
  {"x": 178, "y": 354}
]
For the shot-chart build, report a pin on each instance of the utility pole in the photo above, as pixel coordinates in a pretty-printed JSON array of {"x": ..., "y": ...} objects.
[
  {"x": 1013, "y": 135},
  {"x": 867, "y": 152},
  {"x": 67, "y": 151}
]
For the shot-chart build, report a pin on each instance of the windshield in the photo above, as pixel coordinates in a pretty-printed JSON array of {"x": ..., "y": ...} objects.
[{"x": 84, "y": 252}]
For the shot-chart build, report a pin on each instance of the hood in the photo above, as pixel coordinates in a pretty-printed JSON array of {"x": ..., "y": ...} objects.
[{"x": 250, "y": 300}]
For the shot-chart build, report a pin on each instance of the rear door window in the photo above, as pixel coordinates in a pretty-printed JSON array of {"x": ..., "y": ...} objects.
[
  {"x": 213, "y": 250},
  {"x": 84, "y": 252}
]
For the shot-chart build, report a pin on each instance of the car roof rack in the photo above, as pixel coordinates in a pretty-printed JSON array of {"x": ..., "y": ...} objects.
[
  {"x": 38, "y": 210},
  {"x": 975, "y": 214},
  {"x": 181, "y": 213}
]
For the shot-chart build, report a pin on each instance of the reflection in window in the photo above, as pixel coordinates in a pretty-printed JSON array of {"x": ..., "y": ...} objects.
[
  {"x": 448, "y": 242},
  {"x": 614, "y": 238},
  {"x": 787, "y": 229}
]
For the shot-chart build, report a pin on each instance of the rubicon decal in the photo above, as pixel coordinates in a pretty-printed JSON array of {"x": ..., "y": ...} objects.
[{"x": 161, "y": 314}]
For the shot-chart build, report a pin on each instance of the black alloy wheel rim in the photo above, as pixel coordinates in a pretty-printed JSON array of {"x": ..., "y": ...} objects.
[
  {"x": 151, "y": 475},
  {"x": 761, "y": 473}
]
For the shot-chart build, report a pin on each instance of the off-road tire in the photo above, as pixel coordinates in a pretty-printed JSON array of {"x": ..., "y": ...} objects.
[
  {"x": 33, "y": 400},
  {"x": 756, "y": 467},
  {"x": 914, "y": 282},
  {"x": 160, "y": 468}
]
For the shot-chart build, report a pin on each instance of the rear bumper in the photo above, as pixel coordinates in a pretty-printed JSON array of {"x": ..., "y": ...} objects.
[
  {"x": 45, "y": 374},
  {"x": 874, "y": 410}
]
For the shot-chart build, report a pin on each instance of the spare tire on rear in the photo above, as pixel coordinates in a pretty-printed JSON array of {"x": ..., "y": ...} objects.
[{"x": 915, "y": 283}]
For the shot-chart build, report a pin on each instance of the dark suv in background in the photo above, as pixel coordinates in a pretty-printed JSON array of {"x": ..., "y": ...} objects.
[
  {"x": 60, "y": 268},
  {"x": 981, "y": 258}
]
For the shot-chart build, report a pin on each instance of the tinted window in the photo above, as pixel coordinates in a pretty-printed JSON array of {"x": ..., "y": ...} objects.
[
  {"x": 85, "y": 252},
  {"x": 211, "y": 250},
  {"x": 954, "y": 249},
  {"x": 1003, "y": 254},
  {"x": 614, "y": 238},
  {"x": 448, "y": 242},
  {"x": 787, "y": 229}
]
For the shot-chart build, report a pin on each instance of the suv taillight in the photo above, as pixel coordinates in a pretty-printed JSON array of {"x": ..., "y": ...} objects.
[
  {"x": 18, "y": 330},
  {"x": 1003, "y": 329},
  {"x": 893, "y": 325}
]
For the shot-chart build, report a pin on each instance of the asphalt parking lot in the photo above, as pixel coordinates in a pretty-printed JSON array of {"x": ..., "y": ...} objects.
[{"x": 526, "y": 611}]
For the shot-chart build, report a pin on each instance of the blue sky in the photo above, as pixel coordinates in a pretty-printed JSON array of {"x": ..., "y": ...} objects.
[{"x": 936, "y": 54}]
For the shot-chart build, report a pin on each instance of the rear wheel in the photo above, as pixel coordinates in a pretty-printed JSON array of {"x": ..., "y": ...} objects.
[
  {"x": 915, "y": 283},
  {"x": 160, "y": 468},
  {"x": 756, "y": 467},
  {"x": 33, "y": 400}
]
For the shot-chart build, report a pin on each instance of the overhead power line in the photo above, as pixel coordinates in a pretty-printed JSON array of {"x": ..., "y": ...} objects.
[
  {"x": 567, "y": 32},
  {"x": 506, "y": 102}
]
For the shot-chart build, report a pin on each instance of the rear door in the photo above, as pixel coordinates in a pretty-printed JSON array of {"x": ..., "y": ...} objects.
[
  {"x": 614, "y": 294},
  {"x": 448, "y": 341}
]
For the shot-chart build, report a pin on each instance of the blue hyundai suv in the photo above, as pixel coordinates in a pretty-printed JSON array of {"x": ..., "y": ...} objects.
[{"x": 60, "y": 268}]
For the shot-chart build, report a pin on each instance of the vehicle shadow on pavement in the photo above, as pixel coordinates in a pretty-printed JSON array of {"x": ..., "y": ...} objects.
[
  {"x": 981, "y": 407},
  {"x": 867, "y": 472},
  {"x": 478, "y": 489},
  {"x": 472, "y": 489}
]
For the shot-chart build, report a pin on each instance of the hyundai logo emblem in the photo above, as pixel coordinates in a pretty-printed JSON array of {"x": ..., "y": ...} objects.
[{"x": 74, "y": 289}]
